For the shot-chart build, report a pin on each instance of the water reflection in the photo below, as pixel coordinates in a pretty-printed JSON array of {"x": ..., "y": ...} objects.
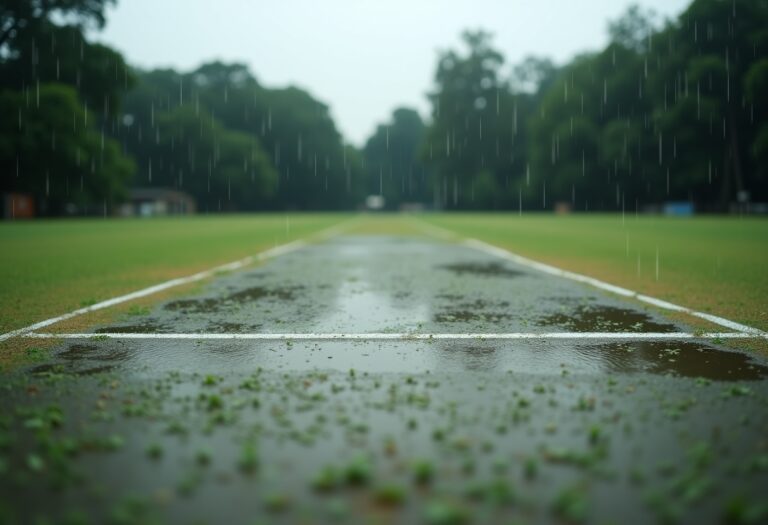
[{"x": 684, "y": 359}]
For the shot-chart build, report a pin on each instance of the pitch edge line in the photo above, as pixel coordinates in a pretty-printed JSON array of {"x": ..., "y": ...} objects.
[
  {"x": 228, "y": 267},
  {"x": 552, "y": 270},
  {"x": 653, "y": 336}
]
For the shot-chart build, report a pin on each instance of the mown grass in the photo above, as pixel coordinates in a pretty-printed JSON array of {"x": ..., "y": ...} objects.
[
  {"x": 54, "y": 266},
  {"x": 715, "y": 264}
]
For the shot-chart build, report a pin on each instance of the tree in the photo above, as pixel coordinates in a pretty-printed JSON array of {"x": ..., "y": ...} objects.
[
  {"x": 314, "y": 169},
  {"x": 61, "y": 54},
  {"x": 50, "y": 148},
  {"x": 659, "y": 115},
  {"x": 471, "y": 147},
  {"x": 756, "y": 85},
  {"x": 634, "y": 29},
  {"x": 392, "y": 160},
  {"x": 57, "y": 137},
  {"x": 27, "y": 16},
  {"x": 223, "y": 169}
]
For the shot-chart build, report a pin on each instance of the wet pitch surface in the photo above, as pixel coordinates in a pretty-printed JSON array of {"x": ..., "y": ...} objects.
[{"x": 444, "y": 431}]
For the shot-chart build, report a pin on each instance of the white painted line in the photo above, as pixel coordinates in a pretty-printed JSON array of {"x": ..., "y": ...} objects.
[
  {"x": 653, "y": 336},
  {"x": 228, "y": 267},
  {"x": 552, "y": 270}
]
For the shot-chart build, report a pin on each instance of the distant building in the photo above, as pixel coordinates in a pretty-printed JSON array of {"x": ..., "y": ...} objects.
[
  {"x": 678, "y": 209},
  {"x": 18, "y": 206},
  {"x": 149, "y": 202},
  {"x": 374, "y": 202}
]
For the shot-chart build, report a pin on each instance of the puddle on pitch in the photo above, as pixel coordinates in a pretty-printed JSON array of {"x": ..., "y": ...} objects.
[
  {"x": 676, "y": 359},
  {"x": 600, "y": 318},
  {"x": 683, "y": 359},
  {"x": 362, "y": 306}
]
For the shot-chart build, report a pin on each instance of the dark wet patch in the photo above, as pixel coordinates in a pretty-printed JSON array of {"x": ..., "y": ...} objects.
[
  {"x": 599, "y": 318},
  {"x": 477, "y": 310},
  {"x": 459, "y": 316},
  {"x": 490, "y": 269},
  {"x": 78, "y": 352},
  {"x": 82, "y": 359},
  {"x": 194, "y": 305},
  {"x": 143, "y": 328},
  {"x": 286, "y": 293},
  {"x": 570, "y": 300},
  {"x": 683, "y": 359},
  {"x": 48, "y": 369},
  {"x": 255, "y": 293},
  {"x": 227, "y": 327}
]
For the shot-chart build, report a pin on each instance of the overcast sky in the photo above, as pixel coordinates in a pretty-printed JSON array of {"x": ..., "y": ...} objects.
[{"x": 361, "y": 57}]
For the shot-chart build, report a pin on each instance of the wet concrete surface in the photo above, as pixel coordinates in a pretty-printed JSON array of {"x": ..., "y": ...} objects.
[
  {"x": 478, "y": 431},
  {"x": 390, "y": 284}
]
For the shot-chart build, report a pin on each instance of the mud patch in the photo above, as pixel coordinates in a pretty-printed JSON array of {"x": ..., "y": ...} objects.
[
  {"x": 477, "y": 310},
  {"x": 193, "y": 306},
  {"x": 597, "y": 318},
  {"x": 144, "y": 328},
  {"x": 229, "y": 328},
  {"x": 82, "y": 359},
  {"x": 490, "y": 269},
  {"x": 681, "y": 359},
  {"x": 255, "y": 293},
  {"x": 49, "y": 369},
  {"x": 79, "y": 352},
  {"x": 286, "y": 293}
]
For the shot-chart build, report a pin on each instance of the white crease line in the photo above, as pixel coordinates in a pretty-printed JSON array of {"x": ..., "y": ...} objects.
[
  {"x": 654, "y": 336},
  {"x": 236, "y": 265},
  {"x": 552, "y": 270}
]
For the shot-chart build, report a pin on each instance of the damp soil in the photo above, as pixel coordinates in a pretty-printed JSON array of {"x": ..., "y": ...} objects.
[
  {"x": 82, "y": 359},
  {"x": 601, "y": 318},
  {"x": 240, "y": 297},
  {"x": 463, "y": 316},
  {"x": 229, "y": 327},
  {"x": 140, "y": 328},
  {"x": 477, "y": 310},
  {"x": 488, "y": 269}
]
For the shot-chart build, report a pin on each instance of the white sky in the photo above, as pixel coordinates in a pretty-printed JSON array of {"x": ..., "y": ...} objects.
[{"x": 361, "y": 57}]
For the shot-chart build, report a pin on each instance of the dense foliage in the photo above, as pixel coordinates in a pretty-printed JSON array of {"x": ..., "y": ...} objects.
[{"x": 665, "y": 112}]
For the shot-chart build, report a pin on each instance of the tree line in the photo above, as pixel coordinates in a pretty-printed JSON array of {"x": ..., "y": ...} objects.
[{"x": 672, "y": 111}]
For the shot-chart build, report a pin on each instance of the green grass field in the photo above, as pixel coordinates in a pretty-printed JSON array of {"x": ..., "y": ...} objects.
[{"x": 715, "y": 264}]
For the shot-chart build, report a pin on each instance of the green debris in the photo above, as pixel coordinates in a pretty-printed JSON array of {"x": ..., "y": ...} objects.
[
  {"x": 358, "y": 472},
  {"x": 423, "y": 472},
  {"x": 277, "y": 502},
  {"x": 571, "y": 505},
  {"x": 390, "y": 495},
  {"x": 446, "y": 513},
  {"x": 249, "y": 459}
]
